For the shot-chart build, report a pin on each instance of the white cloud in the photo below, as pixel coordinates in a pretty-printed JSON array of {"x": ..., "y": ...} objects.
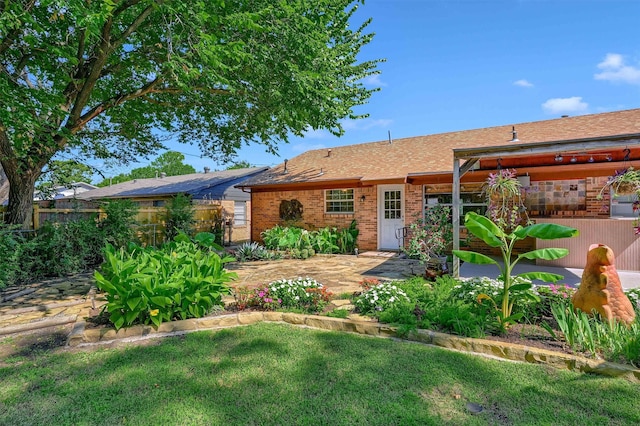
[
  {"x": 615, "y": 70},
  {"x": 373, "y": 80},
  {"x": 522, "y": 83},
  {"x": 365, "y": 124},
  {"x": 565, "y": 105}
]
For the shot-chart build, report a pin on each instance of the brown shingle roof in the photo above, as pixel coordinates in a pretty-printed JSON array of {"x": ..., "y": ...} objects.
[{"x": 434, "y": 153}]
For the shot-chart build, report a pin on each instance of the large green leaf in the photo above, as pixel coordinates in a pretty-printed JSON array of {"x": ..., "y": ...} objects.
[
  {"x": 520, "y": 287},
  {"x": 546, "y": 231},
  {"x": 483, "y": 228},
  {"x": 473, "y": 257},
  {"x": 133, "y": 302},
  {"x": 542, "y": 276},
  {"x": 545, "y": 253}
]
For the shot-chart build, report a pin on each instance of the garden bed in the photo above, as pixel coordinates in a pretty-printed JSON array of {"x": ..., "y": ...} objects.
[{"x": 512, "y": 347}]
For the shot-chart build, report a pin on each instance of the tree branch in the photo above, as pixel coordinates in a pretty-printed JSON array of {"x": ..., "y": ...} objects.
[
  {"x": 134, "y": 25},
  {"x": 95, "y": 68},
  {"x": 110, "y": 103}
]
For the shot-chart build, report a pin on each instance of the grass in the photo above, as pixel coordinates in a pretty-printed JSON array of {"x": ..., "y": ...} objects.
[{"x": 274, "y": 374}]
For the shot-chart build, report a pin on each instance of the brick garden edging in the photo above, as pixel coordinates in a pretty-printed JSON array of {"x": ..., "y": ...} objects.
[{"x": 508, "y": 351}]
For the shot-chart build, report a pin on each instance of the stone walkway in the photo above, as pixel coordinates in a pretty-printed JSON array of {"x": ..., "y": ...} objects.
[
  {"x": 58, "y": 302},
  {"x": 339, "y": 273}
]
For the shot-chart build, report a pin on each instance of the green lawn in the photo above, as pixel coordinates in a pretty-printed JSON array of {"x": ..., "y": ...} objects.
[{"x": 275, "y": 374}]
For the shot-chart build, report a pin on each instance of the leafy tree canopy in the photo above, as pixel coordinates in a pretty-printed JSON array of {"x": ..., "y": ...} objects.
[
  {"x": 170, "y": 163},
  {"x": 243, "y": 164},
  {"x": 109, "y": 78}
]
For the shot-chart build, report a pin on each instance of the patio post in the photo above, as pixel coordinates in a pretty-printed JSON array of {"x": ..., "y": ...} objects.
[{"x": 455, "y": 213}]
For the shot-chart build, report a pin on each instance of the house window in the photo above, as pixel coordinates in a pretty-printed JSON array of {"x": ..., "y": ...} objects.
[
  {"x": 338, "y": 201},
  {"x": 240, "y": 213},
  {"x": 622, "y": 206},
  {"x": 159, "y": 203},
  {"x": 471, "y": 202}
]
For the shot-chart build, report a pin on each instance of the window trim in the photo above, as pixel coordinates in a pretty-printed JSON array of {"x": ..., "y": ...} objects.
[{"x": 340, "y": 201}]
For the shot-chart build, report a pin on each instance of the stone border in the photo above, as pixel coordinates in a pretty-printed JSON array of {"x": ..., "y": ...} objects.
[{"x": 81, "y": 336}]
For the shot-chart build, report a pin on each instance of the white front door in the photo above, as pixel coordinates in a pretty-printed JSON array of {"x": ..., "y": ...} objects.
[{"x": 390, "y": 215}]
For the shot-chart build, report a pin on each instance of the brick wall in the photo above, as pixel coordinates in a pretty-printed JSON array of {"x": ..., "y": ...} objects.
[{"x": 266, "y": 213}]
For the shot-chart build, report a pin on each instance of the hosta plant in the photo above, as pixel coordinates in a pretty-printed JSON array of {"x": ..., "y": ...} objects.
[
  {"x": 495, "y": 236},
  {"x": 180, "y": 280}
]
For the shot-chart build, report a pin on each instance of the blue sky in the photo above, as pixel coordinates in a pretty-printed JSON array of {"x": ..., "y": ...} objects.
[{"x": 464, "y": 64}]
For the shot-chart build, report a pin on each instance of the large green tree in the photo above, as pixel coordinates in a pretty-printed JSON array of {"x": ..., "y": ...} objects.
[
  {"x": 171, "y": 163},
  {"x": 110, "y": 78}
]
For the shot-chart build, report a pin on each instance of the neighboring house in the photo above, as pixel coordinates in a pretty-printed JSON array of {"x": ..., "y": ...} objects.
[
  {"x": 208, "y": 188},
  {"x": 386, "y": 185},
  {"x": 70, "y": 191}
]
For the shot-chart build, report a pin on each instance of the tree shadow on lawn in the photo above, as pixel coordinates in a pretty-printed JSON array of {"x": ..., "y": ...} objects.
[{"x": 280, "y": 374}]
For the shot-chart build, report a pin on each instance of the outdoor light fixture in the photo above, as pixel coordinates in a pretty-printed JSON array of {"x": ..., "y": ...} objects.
[
  {"x": 574, "y": 159},
  {"x": 362, "y": 198},
  {"x": 591, "y": 160},
  {"x": 559, "y": 158},
  {"x": 609, "y": 157}
]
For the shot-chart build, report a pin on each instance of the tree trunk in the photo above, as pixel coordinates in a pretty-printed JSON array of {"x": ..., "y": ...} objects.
[{"x": 20, "y": 207}]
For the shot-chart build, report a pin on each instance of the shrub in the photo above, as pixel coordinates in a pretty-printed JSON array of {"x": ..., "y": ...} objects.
[
  {"x": 489, "y": 292},
  {"x": 12, "y": 245},
  {"x": 63, "y": 248},
  {"x": 180, "y": 217},
  {"x": 379, "y": 298},
  {"x": 296, "y": 240},
  {"x": 305, "y": 294},
  {"x": 180, "y": 280},
  {"x": 118, "y": 223},
  {"x": 549, "y": 295}
]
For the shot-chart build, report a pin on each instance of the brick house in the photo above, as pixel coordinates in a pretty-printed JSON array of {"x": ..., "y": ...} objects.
[{"x": 562, "y": 163}]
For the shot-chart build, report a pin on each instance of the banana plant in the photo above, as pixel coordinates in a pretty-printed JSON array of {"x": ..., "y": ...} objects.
[{"x": 494, "y": 236}]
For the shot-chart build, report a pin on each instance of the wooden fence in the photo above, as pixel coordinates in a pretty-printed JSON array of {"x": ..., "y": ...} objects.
[{"x": 150, "y": 225}]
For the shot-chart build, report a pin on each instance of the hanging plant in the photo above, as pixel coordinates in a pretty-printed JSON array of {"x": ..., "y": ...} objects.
[
  {"x": 504, "y": 195},
  {"x": 623, "y": 182}
]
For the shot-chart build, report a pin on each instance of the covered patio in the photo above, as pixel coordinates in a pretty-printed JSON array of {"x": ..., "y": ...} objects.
[{"x": 573, "y": 159}]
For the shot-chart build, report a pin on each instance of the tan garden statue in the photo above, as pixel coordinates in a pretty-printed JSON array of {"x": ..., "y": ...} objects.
[{"x": 600, "y": 287}]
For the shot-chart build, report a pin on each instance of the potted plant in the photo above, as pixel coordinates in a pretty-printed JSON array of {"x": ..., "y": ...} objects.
[
  {"x": 504, "y": 195},
  {"x": 430, "y": 239}
]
